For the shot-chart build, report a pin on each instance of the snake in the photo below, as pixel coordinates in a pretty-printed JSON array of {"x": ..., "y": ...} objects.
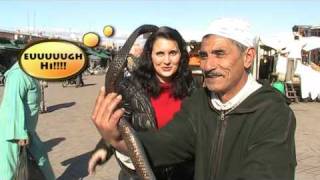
[{"x": 138, "y": 103}]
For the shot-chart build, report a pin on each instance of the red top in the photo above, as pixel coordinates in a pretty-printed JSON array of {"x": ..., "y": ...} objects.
[{"x": 165, "y": 105}]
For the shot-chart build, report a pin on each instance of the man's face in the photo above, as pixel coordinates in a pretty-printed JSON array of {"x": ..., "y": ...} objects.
[{"x": 224, "y": 66}]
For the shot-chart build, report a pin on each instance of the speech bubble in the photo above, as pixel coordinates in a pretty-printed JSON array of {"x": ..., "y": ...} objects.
[{"x": 53, "y": 59}]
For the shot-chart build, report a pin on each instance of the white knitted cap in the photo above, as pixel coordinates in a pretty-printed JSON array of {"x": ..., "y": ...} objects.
[{"x": 232, "y": 28}]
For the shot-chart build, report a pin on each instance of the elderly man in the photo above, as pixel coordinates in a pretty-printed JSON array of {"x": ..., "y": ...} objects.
[{"x": 234, "y": 128}]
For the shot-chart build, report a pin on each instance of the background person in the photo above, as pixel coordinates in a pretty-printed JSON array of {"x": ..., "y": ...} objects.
[{"x": 18, "y": 120}]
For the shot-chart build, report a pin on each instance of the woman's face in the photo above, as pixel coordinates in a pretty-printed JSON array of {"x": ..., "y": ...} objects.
[{"x": 165, "y": 58}]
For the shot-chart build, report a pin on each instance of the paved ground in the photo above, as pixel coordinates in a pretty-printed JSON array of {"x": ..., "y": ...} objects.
[{"x": 69, "y": 134}]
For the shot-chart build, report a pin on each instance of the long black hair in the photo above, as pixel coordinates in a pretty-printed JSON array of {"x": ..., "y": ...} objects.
[{"x": 182, "y": 81}]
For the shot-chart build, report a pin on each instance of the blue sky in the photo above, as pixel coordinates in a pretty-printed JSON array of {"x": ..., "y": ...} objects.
[{"x": 189, "y": 17}]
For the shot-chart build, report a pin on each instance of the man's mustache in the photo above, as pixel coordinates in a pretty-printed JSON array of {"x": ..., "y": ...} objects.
[{"x": 211, "y": 73}]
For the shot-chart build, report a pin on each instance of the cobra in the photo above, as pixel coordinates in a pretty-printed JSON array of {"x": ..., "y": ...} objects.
[{"x": 138, "y": 104}]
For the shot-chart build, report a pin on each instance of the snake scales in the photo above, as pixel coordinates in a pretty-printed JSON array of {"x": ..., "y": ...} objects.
[{"x": 138, "y": 104}]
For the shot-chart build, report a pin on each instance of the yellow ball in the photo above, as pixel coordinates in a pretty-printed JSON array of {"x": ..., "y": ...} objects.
[
  {"x": 90, "y": 39},
  {"x": 108, "y": 31}
]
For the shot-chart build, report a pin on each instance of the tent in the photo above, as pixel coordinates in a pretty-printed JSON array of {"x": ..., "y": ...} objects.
[
  {"x": 280, "y": 42},
  {"x": 309, "y": 78},
  {"x": 311, "y": 43}
]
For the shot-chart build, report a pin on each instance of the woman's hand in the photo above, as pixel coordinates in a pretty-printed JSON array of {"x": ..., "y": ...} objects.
[{"x": 99, "y": 156}]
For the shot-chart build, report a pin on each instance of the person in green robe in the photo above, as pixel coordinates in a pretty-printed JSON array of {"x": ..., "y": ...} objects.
[{"x": 18, "y": 120}]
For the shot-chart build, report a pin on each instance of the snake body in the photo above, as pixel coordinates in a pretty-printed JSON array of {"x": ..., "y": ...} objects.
[{"x": 137, "y": 102}]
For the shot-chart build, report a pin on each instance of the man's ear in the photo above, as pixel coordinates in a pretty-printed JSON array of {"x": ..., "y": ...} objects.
[{"x": 249, "y": 57}]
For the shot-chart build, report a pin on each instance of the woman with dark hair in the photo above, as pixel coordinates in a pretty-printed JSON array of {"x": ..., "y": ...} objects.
[
  {"x": 165, "y": 60},
  {"x": 163, "y": 72}
]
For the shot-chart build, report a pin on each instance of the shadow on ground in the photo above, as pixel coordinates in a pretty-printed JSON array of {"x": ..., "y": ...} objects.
[
  {"x": 92, "y": 84},
  {"x": 75, "y": 86},
  {"x": 53, "y": 142},
  {"x": 77, "y": 167},
  {"x": 60, "y": 106}
]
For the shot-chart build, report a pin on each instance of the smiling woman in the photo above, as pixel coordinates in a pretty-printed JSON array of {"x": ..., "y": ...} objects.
[
  {"x": 164, "y": 74},
  {"x": 165, "y": 59}
]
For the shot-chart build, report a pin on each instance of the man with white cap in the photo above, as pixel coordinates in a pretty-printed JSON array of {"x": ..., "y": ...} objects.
[{"x": 234, "y": 128}]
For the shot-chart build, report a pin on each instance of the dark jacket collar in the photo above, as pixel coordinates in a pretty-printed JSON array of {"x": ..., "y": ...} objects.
[{"x": 255, "y": 101}]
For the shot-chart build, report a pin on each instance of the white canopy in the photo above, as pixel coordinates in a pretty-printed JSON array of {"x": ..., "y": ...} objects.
[
  {"x": 281, "y": 42},
  {"x": 311, "y": 43}
]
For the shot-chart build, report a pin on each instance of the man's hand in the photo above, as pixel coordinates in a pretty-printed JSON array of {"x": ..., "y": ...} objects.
[
  {"x": 98, "y": 156},
  {"x": 23, "y": 142},
  {"x": 106, "y": 117}
]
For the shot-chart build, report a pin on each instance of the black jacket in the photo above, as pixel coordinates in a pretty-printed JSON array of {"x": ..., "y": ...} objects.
[
  {"x": 255, "y": 141},
  {"x": 141, "y": 116}
]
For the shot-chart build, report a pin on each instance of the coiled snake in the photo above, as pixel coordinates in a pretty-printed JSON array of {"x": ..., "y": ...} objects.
[{"x": 138, "y": 101}]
